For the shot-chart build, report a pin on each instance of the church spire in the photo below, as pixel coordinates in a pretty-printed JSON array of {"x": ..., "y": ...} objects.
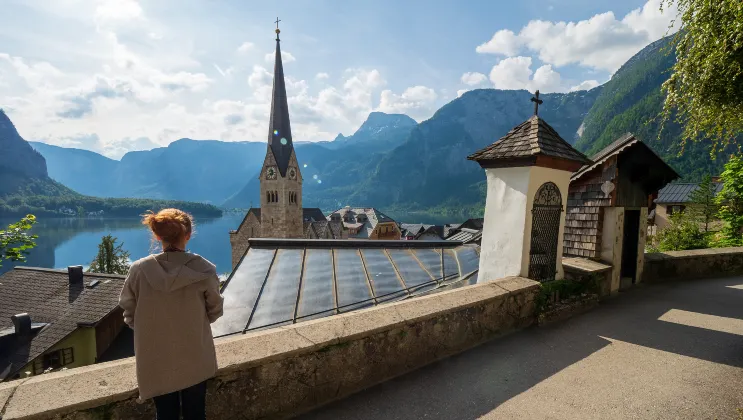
[{"x": 280, "y": 133}]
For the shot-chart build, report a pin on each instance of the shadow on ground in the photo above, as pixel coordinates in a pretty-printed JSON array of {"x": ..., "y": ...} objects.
[{"x": 475, "y": 382}]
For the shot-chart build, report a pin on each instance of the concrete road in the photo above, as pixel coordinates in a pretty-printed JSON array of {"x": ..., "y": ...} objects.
[{"x": 669, "y": 351}]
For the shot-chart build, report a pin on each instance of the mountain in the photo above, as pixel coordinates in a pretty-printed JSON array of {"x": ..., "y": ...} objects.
[
  {"x": 81, "y": 170},
  {"x": 22, "y": 169},
  {"x": 339, "y": 163},
  {"x": 25, "y": 185},
  {"x": 632, "y": 100}
]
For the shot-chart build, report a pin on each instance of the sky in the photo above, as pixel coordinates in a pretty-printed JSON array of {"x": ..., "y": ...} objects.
[{"x": 114, "y": 76}]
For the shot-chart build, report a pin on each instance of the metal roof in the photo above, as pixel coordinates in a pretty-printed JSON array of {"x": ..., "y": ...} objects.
[
  {"x": 679, "y": 192},
  {"x": 284, "y": 281}
]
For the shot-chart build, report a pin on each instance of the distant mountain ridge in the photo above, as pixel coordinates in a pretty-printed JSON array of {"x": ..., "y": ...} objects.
[{"x": 394, "y": 163}]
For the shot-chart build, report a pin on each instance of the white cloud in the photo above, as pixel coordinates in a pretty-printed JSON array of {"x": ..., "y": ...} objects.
[
  {"x": 601, "y": 42},
  {"x": 415, "y": 101},
  {"x": 474, "y": 78},
  {"x": 503, "y": 42},
  {"x": 322, "y": 76},
  {"x": 461, "y": 92},
  {"x": 585, "y": 85},
  {"x": 286, "y": 57},
  {"x": 245, "y": 47},
  {"x": 516, "y": 73},
  {"x": 118, "y": 10}
]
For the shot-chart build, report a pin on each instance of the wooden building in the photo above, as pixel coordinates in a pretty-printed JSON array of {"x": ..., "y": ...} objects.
[{"x": 608, "y": 204}]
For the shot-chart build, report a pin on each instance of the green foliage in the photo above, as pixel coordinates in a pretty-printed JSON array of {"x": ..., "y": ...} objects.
[
  {"x": 704, "y": 206},
  {"x": 705, "y": 87},
  {"x": 730, "y": 200},
  {"x": 563, "y": 289},
  {"x": 44, "y": 197},
  {"x": 111, "y": 258},
  {"x": 15, "y": 241},
  {"x": 682, "y": 233}
]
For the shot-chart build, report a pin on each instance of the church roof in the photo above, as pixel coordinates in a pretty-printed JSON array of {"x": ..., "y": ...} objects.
[
  {"x": 285, "y": 281},
  {"x": 309, "y": 214},
  {"x": 531, "y": 138},
  {"x": 279, "y": 130}
]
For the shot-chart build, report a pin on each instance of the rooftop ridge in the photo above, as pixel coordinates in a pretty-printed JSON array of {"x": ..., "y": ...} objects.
[{"x": 64, "y": 271}]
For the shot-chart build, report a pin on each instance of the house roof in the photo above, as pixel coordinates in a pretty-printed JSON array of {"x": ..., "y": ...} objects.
[
  {"x": 680, "y": 192},
  {"x": 531, "y": 138},
  {"x": 284, "y": 281},
  {"x": 365, "y": 228},
  {"x": 626, "y": 141},
  {"x": 47, "y": 297},
  {"x": 466, "y": 236},
  {"x": 319, "y": 229}
]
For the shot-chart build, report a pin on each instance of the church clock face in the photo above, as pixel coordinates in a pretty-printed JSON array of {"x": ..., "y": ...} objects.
[
  {"x": 271, "y": 172},
  {"x": 292, "y": 173}
]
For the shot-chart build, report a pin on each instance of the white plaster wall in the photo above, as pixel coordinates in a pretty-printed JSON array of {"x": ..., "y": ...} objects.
[
  {"x": 503, "y": 229},
  {"x": 538, "y": 176}
]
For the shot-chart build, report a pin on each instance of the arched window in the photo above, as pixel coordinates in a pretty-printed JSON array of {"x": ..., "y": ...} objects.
[
  {"x": 276, "y": 195},
  {"x": 268, "y": 197}
]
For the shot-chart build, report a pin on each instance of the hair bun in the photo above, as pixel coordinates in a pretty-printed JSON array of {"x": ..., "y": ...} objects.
[{"x": 169, "y": 225}]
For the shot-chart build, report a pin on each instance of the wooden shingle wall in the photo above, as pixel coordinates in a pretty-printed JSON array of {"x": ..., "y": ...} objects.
[{"x": 583, "y": 219}]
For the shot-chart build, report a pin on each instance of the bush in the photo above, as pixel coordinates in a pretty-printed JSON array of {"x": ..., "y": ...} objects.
[{"x": 683, "y": 233}]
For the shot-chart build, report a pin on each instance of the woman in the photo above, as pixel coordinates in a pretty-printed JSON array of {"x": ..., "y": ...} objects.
[{"x": 169, "y": 299}]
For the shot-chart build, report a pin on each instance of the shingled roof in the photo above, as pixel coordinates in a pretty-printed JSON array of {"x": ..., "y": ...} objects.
[
  {"x": 531, "y": 138},
  {"x": 49, "y": 298}
]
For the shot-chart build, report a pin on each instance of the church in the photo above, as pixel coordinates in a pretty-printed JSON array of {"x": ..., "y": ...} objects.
[{"x": 281, "y": 214}]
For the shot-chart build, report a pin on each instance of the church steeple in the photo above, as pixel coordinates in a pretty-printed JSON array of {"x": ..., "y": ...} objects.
[{"x": 280, "y": 132}]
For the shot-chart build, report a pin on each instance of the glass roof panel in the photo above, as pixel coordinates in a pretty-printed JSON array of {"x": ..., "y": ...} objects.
[
  {"x": 279, "y": 296},
  {"x": 412, "y": 273},
  {"x": 431, "y": 261},
  {"x": 353, "y": 288},
  {"x": 241, "y": 292},
  {"x": 317, "y": 284},
  {"x": 384, "y": 280},
  {"x": 468, "y": 259},
  {"x": 450, "y": 264}
]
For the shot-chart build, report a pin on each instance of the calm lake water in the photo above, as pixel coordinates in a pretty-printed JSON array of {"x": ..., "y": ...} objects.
[{"x": 71, "y": 241}]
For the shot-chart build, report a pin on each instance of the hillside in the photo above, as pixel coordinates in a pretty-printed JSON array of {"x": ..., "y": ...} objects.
[
  {"x": 632, "y": 100},
  {"x": 25, "y": 186}
]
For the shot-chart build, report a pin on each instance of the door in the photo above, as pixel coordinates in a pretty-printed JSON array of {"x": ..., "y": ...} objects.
[
  {"x": 545, "y": 233},
  {"x": 630, "y": 244}
]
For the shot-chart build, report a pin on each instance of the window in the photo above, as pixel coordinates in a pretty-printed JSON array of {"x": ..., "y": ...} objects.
[{"x": 54, "y": 360}]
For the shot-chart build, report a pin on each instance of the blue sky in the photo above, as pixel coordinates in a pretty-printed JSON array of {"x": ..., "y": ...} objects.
[{"x": 119, "y": 75}]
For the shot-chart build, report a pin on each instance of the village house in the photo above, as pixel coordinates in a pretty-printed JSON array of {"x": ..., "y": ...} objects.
[
  {"x": 421, "y": 232},
  {"x": 366, "y": 223},
  {"x": 52, "y": 319},
  {"x": 674, "y": 198}
]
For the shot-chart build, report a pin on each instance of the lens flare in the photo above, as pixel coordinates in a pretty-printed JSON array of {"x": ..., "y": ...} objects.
[
  {"x": 275, "y": 132},
  {"x": 314, "y": 176}
]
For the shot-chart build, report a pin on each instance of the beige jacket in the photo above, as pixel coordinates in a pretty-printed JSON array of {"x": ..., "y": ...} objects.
[{"x": 169, "y": 300}]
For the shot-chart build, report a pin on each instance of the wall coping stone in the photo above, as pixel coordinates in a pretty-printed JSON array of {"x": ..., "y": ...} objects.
[
  {"x": 59, "y": 393},
  {"x": 692, "y": 253}
]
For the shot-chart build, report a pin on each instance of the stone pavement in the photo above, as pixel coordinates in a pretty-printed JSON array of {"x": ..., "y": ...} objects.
[{"x": 664, "y": 351}]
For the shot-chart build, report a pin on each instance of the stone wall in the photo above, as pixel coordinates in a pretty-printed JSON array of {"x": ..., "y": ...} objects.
[
  {"x": 693, "y": 264},
  {"x": 284, "y": 371}
]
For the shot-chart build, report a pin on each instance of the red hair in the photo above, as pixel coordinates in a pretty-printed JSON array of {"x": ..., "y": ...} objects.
[{"x": 169, "y": 225}]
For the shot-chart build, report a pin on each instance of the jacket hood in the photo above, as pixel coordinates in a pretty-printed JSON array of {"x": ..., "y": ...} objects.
[{"x": 171, "y": 271}]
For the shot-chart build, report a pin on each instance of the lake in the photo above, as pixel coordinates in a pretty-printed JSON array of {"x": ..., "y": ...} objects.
[{"x": 71, "y": 241}]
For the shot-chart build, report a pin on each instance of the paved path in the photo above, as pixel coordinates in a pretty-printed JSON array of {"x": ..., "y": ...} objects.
[{"x": 670, "y": 351}]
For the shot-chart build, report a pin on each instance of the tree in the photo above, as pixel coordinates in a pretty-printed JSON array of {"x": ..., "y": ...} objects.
[
  {"x": 704, "y": 205},
  {"x": 15, "y": 241},
  {"x": 683, "y": 233},
  {"x": 730, "y": 200},
  {"x": 111, "y": 258},
  {"x": 706, "y": 82}
]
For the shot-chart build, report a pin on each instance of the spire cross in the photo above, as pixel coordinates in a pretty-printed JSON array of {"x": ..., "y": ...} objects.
[
  {"x": 277, "y": 22},
  {"x": 537, "y": 102},
  {"x": 277, "y": 27}
]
